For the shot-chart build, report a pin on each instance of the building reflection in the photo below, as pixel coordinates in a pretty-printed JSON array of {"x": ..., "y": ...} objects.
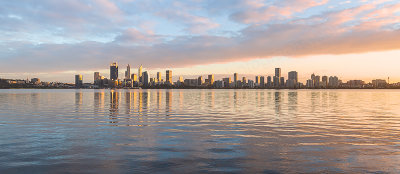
[
  {"x": 140, "y": 103},
  {"x": 128, "y": 102},
  {"x": 159, "y": 100},
  {"x": 278, "y": 102},
  {"x": 235, "y": 99},
  {"x": 144, "y": 102},
  {"x": 292, "y": 101},
  {"x": 180, "y": 99},
  {"x": 78, "y": 100},
  {"x": 114, "y": 102},
  {"x": 168, "y": 102},
  {"x": 211, "y": 99},
  {"x": 98, "y": 101},
  {"x": 315, "y": 99}
]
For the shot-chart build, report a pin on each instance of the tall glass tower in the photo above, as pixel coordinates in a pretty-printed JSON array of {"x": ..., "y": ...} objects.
[{"x": 114, "y": 71}]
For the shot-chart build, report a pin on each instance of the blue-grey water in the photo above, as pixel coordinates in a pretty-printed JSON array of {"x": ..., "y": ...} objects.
[{"x": 192, "y": 131}]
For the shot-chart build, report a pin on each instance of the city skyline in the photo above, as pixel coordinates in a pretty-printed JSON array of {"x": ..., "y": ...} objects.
[
  {"x": 276, "y": 81},
  {"x": 353, "y": 39}
]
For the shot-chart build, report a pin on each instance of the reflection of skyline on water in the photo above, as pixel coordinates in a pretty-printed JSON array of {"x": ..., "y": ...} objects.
[{"x": 245, "y": 131}]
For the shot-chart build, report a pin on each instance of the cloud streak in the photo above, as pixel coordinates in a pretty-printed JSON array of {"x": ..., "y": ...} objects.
[{"x": 261, "y": 30}]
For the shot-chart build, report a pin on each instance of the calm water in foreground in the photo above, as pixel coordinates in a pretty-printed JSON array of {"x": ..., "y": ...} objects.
[{"x": 186, "y": 131}]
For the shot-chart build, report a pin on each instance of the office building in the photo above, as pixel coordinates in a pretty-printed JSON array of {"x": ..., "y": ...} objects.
[
  {"x": 96, "y": 76},
  {"x": 292, "y": 81},
  {"x": 379, "y": 83},
  {"x": 159, "y": 76},
  {"x": 210, "y": 79},
  {"x": 145, "y": 78},
  {"x": 168, "y": 77},
  {"x": 269, "y": 81},
  {"x": 128, "y": 72},
  {"x": 333, "y": 82},
  {"x": 200, "y": 81},
  {"x": 191, "y": 82},
  {"x": 78, "y": 81},
  {"x": 227, "y": 81},
  {"x": 134, "y": 77},
  {"x": 257, "y": 79},
  {"x": 293, "y": 75},
  {"x": 219, "y": 84},
  {"x": 282, "y": 81},
  {"x": 278, "y": 72},
  {"x": 114, "y": 71},
  {"x": 324, "y": 83},
  {"x": 244, "y": 80},
  {"x": 262, "y": 81},
  {"x": 35, "y": 81},
  {"x": 235, "y": 78},
  {"x": 140, "y": 74},
  {"x": 276, "y": 81}
]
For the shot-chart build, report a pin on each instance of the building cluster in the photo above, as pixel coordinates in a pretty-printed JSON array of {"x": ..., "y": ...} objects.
[
  {"x": 130, "y": 80},
  {"x": 142, "y": 79},
  {"x": 32, "y": 83},
  {"x": 277, "y": 81}
]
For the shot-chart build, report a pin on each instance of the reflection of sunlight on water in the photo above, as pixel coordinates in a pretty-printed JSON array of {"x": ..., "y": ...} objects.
[{"x": 247, "y": 131}]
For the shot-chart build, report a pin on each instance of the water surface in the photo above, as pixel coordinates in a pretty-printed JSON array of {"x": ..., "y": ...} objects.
[{"x": 186, "y": 131}]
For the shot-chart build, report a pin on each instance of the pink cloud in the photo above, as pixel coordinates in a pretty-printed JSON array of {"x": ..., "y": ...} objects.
[{"x": 279, "y": 10}]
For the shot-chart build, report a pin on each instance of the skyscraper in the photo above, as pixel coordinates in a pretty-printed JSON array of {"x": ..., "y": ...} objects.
[
  {"x": 293, "y": 75},
  {"x": 159, "y": 76},
  {"x": 324, "y": 81},
  {"x": 145, "y": 78},
  {"x": 211, "y": 79},
  {"x": 276, "y": 81},
  {"x": 128, "y": 72},
  {"x": 269, "y": 81},
  {"x": 134, "y": 77},
  {"x": 278, "y": 72},
  {"x": 114, "y": 71},
  {"x": 200, "y": 81},
  {"x": 277, "y": 77},
  {"x": 140, "y": 73},
  {"x": 282, "y": 81},
  {"x": 227, "y": 81},
  {"x": 78, "y": 81},
  {"x": 168, "y": 76},
  {"x": 257, "y": 80},
  {"x": 96, "y": 76},
  {"x": 235, "y": 77},
  {"x": 317, "y": 81},
  {"x": 262, "y": 81},
  {"x": 292, "y": 79},
  {"x": 244, "y": 80}
]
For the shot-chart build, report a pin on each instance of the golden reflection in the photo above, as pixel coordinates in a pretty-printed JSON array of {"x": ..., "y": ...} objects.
[
  {"x": 159, "y": 100},
  {"x": 140, "y": 103},
  {"x": 211, "y": 98},
  {"x": 114, "y": 101},
  {"x": 98, "y": 98},
  {"x": 180, "y": 99},
  {"x": 168, "y": 102},
  {"x": 128, "y": 101},
  {"x": 78, "y": 100}
]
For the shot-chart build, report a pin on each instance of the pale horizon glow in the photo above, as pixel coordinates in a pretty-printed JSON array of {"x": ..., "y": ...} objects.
[{"x": 56, "y": 40}]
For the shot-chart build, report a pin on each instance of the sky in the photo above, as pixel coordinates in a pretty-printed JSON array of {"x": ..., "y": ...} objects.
[{"x": 54, "y": 40}]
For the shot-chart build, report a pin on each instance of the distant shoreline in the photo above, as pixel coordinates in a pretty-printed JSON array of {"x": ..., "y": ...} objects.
[{"x": 210, "y": 88}]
